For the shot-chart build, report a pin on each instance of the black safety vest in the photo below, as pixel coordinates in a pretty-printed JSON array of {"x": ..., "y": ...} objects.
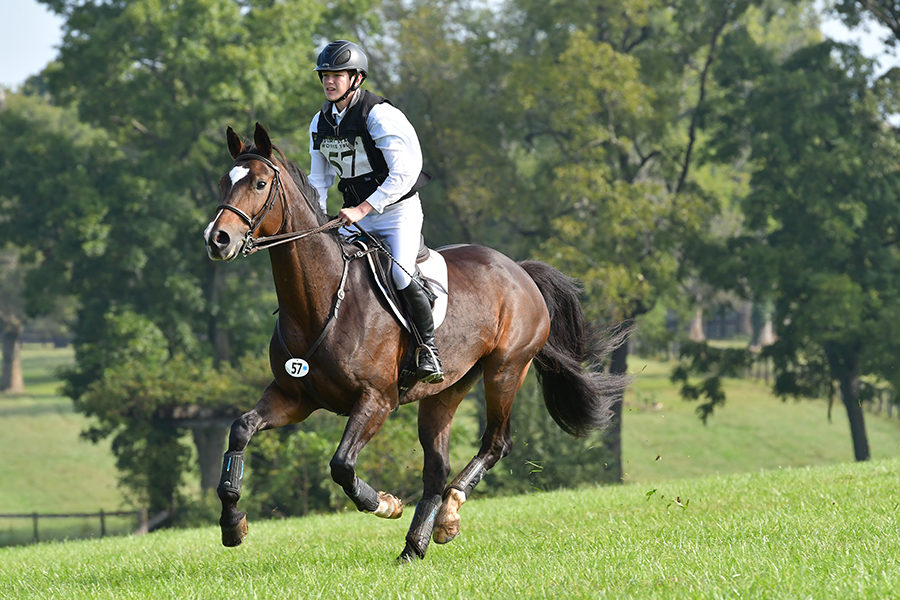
[{"x": 351, "y": 149}]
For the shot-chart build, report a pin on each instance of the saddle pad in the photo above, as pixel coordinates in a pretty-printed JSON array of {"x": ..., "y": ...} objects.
[{"x": 433, "y": 272}]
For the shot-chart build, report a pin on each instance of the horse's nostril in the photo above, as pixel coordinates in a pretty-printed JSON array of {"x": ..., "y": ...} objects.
[{"x": 221, "y": 238}]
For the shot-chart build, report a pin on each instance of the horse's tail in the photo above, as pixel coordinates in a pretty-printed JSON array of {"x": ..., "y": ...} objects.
[{"x": 577, "y": 392}]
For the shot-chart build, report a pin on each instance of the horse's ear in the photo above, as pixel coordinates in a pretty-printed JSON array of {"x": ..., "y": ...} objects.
[
  {"x": 235, "y": 145},
  {"x": 261, "y": 139}
]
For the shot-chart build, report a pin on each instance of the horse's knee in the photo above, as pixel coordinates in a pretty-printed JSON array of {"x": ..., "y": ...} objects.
[
  {"x": 496, "y": 446},
  {"x": 504, "y": 447},
  {"x": 242, "y": 430}
]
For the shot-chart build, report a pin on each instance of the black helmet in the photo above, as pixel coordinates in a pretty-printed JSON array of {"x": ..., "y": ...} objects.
[{"x": 343, "y": 56}]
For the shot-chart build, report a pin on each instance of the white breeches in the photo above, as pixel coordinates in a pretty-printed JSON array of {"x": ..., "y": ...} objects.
[{"x": 400, "y": 228}]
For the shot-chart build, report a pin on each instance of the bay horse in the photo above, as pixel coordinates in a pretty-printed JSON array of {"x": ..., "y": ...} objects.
[{"x": 501, "y": 317}]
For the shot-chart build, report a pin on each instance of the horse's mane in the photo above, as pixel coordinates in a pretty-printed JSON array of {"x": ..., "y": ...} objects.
[{"x": 302, "y": 182}]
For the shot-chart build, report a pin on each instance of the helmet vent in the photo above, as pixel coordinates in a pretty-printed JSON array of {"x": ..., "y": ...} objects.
[{"x": 342, "y": 58}]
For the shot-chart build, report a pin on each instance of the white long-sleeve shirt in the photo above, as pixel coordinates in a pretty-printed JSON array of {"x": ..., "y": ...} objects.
[{"x": 394, "y": 135}]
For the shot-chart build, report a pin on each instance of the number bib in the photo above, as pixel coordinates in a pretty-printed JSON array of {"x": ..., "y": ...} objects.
[
  {"x": 296, "y": 367},
  {"x": 349, "y": 160}
]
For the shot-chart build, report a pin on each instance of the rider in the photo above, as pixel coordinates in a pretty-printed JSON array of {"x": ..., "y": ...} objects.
[{"x": 374, "y": 150}]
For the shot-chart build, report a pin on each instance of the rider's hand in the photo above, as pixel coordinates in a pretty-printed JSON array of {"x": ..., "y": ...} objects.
[{"x": 351, "y": 215}]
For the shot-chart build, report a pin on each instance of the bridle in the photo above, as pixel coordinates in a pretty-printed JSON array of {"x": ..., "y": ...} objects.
[{"x": 250, "y": 243}]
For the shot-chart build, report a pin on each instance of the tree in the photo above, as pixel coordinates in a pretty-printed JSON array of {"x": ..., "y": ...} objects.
[
  {"x": 49, "y": 208},
  {"x": 12, "y": 317},
  {"x": 574, "y": 134},
  {"x": 620, "y": 146},
  {"x": 115, "y": 221},
  {"x": 822, "y": 215}
]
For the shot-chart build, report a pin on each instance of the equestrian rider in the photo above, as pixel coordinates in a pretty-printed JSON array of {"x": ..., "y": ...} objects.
[{"x": 374, "y": 150}]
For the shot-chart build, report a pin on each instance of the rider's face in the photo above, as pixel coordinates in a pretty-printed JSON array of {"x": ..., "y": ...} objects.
[{"x": 336, "y": 84}]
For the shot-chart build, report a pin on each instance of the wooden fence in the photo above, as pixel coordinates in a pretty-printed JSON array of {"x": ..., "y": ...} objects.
[{"x": 144, "y": 524}]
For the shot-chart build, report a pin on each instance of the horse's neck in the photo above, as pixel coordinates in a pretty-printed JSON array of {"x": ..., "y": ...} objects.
[{"x": 306, "y": 274}]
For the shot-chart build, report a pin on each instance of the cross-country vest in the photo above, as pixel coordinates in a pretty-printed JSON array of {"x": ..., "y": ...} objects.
[{"x": 351, "y": 150}]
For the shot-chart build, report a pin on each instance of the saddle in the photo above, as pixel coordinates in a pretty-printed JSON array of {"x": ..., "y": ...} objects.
[{"x": 431, "y": 271}]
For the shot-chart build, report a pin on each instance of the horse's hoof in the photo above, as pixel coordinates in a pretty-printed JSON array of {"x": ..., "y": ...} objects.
[
  {"x": 233, "y": 536},
  {"x": 389, "y": 506},
  {"x": 446, "y": 525},
  {"x": 407, "y": 557},
  {"x": 446, "y": 532}
]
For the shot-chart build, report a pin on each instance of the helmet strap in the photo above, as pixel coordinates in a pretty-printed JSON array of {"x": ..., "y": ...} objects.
[{"x": 353, "y": 87}]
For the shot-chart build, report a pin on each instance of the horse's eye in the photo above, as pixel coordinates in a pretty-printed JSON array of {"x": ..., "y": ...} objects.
[{"x": 260, "y": 184}]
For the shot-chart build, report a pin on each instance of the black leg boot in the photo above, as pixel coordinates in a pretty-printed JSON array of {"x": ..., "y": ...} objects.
[{"x": 428, "y": 361}]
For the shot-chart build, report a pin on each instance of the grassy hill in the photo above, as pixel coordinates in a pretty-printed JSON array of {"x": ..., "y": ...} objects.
[
  {"x": 663, "y": 438},
  {"x": 50, "y": 468},
  {"x": 822, "y": 532}
]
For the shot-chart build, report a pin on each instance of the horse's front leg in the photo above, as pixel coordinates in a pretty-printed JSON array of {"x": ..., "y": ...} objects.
[
  {"x": 273, "y": 410},
  {"x": 365, "y": 420}
]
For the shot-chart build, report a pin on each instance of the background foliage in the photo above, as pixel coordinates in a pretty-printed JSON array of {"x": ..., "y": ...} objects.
[{"x": 674, "y": 156}]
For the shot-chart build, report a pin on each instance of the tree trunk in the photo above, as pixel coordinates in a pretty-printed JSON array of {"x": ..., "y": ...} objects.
[
  {"x": 850, "y": 398},
  {"x": 843, "y": 360},
  {"x": 612, "y": 437},
  {"x": 218, "y": 336},
  {"x": 696, "y": 333},
  {"x": 12, "y": 379},
  {"x": 210, "y": 443}
]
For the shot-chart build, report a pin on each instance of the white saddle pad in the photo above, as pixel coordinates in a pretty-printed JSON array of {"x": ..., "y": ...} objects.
[{"x": 434, "y": 272}]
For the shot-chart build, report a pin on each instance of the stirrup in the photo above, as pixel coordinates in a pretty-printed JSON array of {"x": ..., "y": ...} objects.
[{"x": 433, "y": 375}]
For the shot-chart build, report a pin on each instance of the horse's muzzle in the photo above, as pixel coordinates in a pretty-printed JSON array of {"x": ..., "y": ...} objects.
[{"x": 222, "y": 245}]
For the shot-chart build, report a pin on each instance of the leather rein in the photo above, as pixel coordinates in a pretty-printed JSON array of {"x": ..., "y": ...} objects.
[{"x": 252, "y": 244}]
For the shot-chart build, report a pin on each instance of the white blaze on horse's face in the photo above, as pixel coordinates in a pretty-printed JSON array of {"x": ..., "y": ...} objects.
[
  {"x": 209, "y": 227},
  {"x": 237, "y": 174}
]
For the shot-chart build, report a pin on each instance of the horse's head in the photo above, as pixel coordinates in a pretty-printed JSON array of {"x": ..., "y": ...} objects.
[{"x": 250, "y": 193}]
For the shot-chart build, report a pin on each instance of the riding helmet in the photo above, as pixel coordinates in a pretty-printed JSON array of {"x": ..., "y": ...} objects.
[{"x": 343, "y": 56}]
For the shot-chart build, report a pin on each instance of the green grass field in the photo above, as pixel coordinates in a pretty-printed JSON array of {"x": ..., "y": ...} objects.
[
  {"x": 822, "y": 532},
  {"x": 52, "y": 470}
]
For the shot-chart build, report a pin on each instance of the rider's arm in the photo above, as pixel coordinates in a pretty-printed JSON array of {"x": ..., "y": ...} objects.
[
  {"x": 395, "y": 136},
  {"x": 321, "y": 172}
]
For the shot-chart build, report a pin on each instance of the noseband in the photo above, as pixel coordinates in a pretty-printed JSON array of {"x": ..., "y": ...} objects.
[{"x": 251, "y": 243}]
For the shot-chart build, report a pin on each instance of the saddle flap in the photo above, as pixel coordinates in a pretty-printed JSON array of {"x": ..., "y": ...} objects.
[{"x": 431, "y": 271}]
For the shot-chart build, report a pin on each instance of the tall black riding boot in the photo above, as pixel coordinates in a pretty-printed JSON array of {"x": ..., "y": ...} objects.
[{"x": 429, "y": 368}]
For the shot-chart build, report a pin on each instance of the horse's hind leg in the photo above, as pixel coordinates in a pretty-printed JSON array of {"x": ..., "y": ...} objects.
[
  {"x": 365, "y": 420},
  {"x": 273, "y": 410},
  {"x": 500, "y": 387},
  {"x": 435, "y": 417}
]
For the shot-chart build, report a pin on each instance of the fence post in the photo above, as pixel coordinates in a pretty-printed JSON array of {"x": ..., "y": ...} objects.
[
  {"x": 34, "y": 518},
  {"x": 102, "y": 524}
]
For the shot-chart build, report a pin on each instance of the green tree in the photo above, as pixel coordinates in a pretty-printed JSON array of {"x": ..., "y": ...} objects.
[
  {"x": 51, "y": 205},
  {"x": 116, "y": 214},
  {"x": 574, "y": 133},
  {"x": 612, "y": 112},
  {"x": 822, "y": 215}
]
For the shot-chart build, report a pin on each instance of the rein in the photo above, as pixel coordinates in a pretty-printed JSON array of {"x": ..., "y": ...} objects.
[{"x": 253, "y": 244}]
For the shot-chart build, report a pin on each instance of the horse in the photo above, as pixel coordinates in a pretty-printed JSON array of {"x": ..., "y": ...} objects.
[{"x": 501, "y": 317}]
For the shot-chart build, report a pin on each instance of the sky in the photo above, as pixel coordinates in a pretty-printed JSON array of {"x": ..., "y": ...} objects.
[{"x": 30, "y": 36}]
